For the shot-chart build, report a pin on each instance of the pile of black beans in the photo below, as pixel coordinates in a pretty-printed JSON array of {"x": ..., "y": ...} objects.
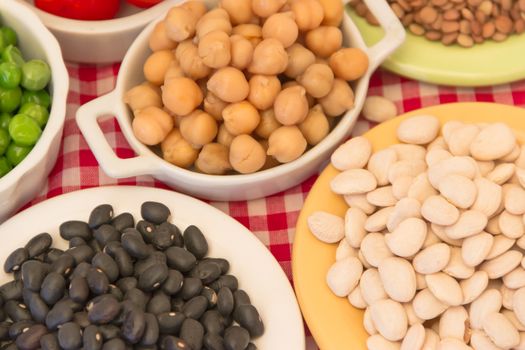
[{"x": 124, "y": 286}]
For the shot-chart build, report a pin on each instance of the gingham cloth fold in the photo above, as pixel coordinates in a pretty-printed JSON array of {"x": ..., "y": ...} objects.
[{"x": 271, "y": 219}]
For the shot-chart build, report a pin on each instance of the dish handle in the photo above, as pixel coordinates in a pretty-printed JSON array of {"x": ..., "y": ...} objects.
[{"x": 87, "y": 120}]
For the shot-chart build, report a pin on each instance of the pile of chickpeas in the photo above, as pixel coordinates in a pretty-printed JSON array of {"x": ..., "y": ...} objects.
[{"x": 245, "y": 86}]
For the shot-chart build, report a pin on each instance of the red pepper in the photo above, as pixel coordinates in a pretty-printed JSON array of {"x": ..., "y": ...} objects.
[
  {"x": 80, "y": 9},
  {"x": 144, "y": 3}
]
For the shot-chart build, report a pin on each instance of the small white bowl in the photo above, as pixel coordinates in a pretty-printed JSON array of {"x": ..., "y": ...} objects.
[
  {"x": 100, "y": 41},
  {"x": 229, "y": 187},
  {"x": 28, "y": 178}
]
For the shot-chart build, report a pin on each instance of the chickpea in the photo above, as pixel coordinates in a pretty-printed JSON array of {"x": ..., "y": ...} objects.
[
  {"x": 241, "y": 118},
  {"x": 286, "y": 144},
  {"x": 178, "y": 151},
  {"x": 142, "y": 96},
  {"x": 157, "y": 65},
  {"x": 268, "y": 124},
  {"x": 269, "y": 58},
  {"x": 349, "y": 63},
  {"x": 191, "y": 63},
  {"x": 315, "y": 127},
  {"x": 224, "y": 137},
  {"x": 229, "y": 84},
  {"x": 324, "y": 41},
  {"x": 299, "y": 58},
  {"x": 339, "y": 99},
  {"x": 217, "y": 19},
  {"x": 246, "y": 154},
  {"x": 263, "y": 90},
  {"x": 198, "y": 128},
  {"x": 281, "y": 26},
  {"x": 214, "y": 105},
  {"x": 159, "y": 40},
  {"x": 240, "y": 11},
  {"x": 215, "y": 49},
  {"x": 291, "y": 105},
  {"x": 291, "y": 83},
  {"x": 271, "y": 162},
  {"x": 317, "y": 80},
  {"x": 251, "y": 32},
  {"x": 174, "y": 71},
  {"x": 180, "y": 24},
  {"x": 181, "y": 95},
  {"x": 198, "y": 8},
  {"x": 333, "y": 12},
  {"x": 241, "y": 51},
  {"x": 308, "y": 14},
  {"x": 151, "y": 125},
  {"x": 266, "y": 8},
  {"x": 214, "y": 159}
]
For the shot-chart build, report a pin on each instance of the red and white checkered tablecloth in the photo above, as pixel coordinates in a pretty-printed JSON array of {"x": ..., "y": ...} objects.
[{"x": 271, "y": 219}]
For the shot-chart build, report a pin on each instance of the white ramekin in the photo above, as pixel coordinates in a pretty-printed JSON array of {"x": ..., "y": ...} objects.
[
  {"x": 27, "y": 179},
  {"x": 230, "y": 187},
  {"x": 100, "y": 41}
]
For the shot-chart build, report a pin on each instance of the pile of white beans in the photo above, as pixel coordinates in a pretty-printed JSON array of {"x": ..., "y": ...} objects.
[{"x": 432, "y": 244}]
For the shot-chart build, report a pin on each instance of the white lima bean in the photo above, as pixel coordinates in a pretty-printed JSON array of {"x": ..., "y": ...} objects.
[
  {"x": 379, "y": 109},
  {"x": 344, "y": 276},
  {"x": 408, "y": 238},
  {"x": 399, "y": 279},
  {"x": 432, "y": 259},
  {"x": 414, "y": 338},
  {"x": 353, "y": 154},
  {"x": 500, "y": 330},
  {"x": 454, "y": 323},
  {"x": 389, "y": 319}
]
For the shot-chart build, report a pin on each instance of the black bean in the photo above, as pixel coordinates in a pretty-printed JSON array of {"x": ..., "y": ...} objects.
[
  {"x": 178, "y": 240},
  {"x": 191, "y": 287},
  {"x": 11, "y": 290},
  {"x": 116, "y": 292},
  {"x": 15, "y": 260},
  {"x": 97, "y": 281},
  {"x": 146, "y": 347},
  {"x": 33, "y": 273},
  {"x": 159, "y": 303},
  {"x": 106, "y": 263},
  {"x": 134, "y": 326},
  {"x": 207, "y": 271},
  {"x": 210, "y": 295},
  {"x": 153, "y": 277},
  {"x": 195, "y": 307},
  {"x": 81, "y": 318},
  {"x": 228, "y": 281},
  {"x": 151, "y": 333},
  {"x": 173, "y": 283},
  {"x": 9, "y": 346},
  {"x": 177, "y": 304},
  {"x": 91, "y": 338},
  {"x": 146, "y": 230},
  {"x": 52, "y": 288},
  {"x": 39, "y": 244},
  {"x": 58, "y": 315},
  {"x": 81, "y": 270},
  {"x": 137, "y": 297},
  {"x": 223, "y": 264},
  {"x": 166, "y": 235},
  {"x": 174, "y": 343},
  {"x": 123, "y": 221},
  {"x": 251, "y": 346},
  {"x": 212, "y": 322},
  {"x": 225, "y": 302},
  {"x": 155, "y": 258},
  {"x": 93, "y": 244},
  {"x": 109, "y": 331},
  {"x": 70, "y": 303},
  {"x": 103, "y": 309},
  {"x": 114, "y": 344},
  {"x": 248, "y": 317},
  {"x": 17, "y": 311},
  {"x": 213, "y": 342},
  {"x": 180, "y": 259},
  {"x": 4, "y": 330},
  {"x": 155, "y": 212},
  {"x": 37, "y": 307},
  {"x": 195, "y": 241},
  {"x": 49, "y": 342},
  {"x": 70, "y": 229},
  {"x": 3, "y": 315},
  {"x": 101, "y": 215},
  {"x": 192, "y": 333},
  {"x": 53, "y": 254},
  {"x": 19, "y": 327},
  {"x": 79, "y": 290},
  {"x": 236, "y": 338},
  {"x": 127, "y": 283},
  {"x": 76, "y": 242},
  {"x": 82, "y": 253},
  {"x": 30, "y": 339},
  {"x": 170, "y": 322},
  {"x": 105, "y": 234},
  {"x": 134, "y": 246},
  {"x": 70, "y": 336},
  {"x": 124, "y": 262},
  {"x": 63, "y": 265}
]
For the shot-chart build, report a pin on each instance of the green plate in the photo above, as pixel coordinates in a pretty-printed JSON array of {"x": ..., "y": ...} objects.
[{"x": 490, "y": 63}]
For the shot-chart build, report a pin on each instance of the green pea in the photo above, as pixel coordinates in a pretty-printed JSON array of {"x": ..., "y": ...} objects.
[
  {"x": 36, "y": 74},
  {"x": 40, "y": 97},
  {"x": 5, "y": 140},
  {"x": 39, "y": 113},
  {"x": 5, "y": 118},
  {"x": 5, "y": 166},
  {"x": 9, "y": 36},
  {"x": 3, "y": 43},
  {"x": 24, "y": 130},
  {"x": 16, "y": 154},
  {"x": 10, "y": 99},
  {"x": 10, "y": 75},
  {"x": 12, "y": 54}
]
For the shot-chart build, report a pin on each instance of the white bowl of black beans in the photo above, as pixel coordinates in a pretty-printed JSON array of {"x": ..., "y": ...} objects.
[{"x": 121, "y": 267}]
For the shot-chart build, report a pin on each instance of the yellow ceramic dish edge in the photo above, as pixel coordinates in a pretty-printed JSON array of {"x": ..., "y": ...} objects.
[
  {"x": 490, "y": 63},
  {"x": 334, "y": 323}
]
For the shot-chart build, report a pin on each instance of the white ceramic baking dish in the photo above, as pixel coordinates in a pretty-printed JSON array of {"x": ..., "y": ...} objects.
[
  {"x": 230, "y": 187},
  {"x": 27, "y": 179}
]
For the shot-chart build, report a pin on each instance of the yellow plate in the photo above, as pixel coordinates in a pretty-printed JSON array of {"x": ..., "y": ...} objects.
[
  {"x": 334, "y": 323},
  {"x": 490, "y": 63}
]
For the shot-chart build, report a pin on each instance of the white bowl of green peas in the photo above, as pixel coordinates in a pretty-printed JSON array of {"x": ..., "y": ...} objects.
[{"x": 33, "y": 90}]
